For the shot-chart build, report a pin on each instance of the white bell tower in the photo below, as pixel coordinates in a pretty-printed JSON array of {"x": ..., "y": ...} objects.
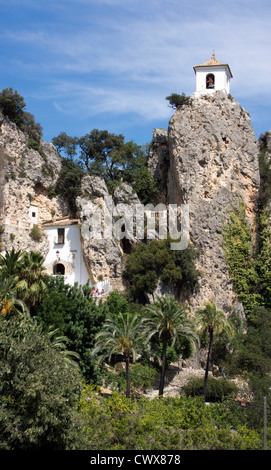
[{"x": 212, "y": 76}]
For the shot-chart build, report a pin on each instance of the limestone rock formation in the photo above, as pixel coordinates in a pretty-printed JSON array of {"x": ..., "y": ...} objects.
[
  {"x": 158, "y": 162},
  {"x": 99, "y": 212},
  {"x": 28, "y": 181},
  {"x": 26, "y": 178},
  {"x": 213, "y": 160},
  {"x": 207, "y": 158}
]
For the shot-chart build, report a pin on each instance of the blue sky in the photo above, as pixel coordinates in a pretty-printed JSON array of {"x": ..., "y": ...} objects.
[{"x": 109, "y": 64}]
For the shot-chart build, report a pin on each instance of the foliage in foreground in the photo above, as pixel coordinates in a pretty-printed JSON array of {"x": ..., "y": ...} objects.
[
  {"x": 74, "y": 312},
  {"x": 39, "y": 391},
  {"x": 185, "y": 423}
]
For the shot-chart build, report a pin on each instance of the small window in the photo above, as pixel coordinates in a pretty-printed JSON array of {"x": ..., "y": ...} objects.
[
  {"x": 60, "y": 236},
  {"x": 210, "y": 81},
  {"x": 33, "y": 214},
  {"x": 59, "y": 268}
]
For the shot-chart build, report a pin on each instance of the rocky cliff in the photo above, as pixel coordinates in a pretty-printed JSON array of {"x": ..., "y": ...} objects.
[
  {"x": 26, "y": 178},
  {"x": 212, "y": 161},
  {"x": 104, "y": 254},
  {"x": 207, "y": 158}
]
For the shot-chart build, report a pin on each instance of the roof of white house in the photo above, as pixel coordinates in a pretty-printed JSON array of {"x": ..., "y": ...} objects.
[
  {"x": 213, "y": 62},
  {"x": 60, "y": 222}
]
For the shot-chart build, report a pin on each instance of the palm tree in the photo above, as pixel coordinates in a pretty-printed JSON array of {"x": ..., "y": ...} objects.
[
  {"x": 9, "y": 302},
  {"x": 119, "y": 336},
  {"x": 168, "y": 321},
  {"x": 59, "y": 344},
  {"x": 10, "y": 263},
  {"x": 27, "y": 271},
  {"x": 31, "y": 284},
  {"x": 212, "y": 321}
]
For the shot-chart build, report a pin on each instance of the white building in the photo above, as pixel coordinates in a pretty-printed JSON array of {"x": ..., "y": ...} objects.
[
  {"x": 34, "y": 214},
  {"x": 212, "y": 76},
  {"x": 65, "y": 254}
]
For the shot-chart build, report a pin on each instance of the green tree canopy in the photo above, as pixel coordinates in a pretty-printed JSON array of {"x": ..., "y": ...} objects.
[
  {"x": 150, "y": 261},
  {"x": 108, "y": 156},
  {"x": 177, "y": 101},
  {"x": 13, "y": 106},
  {"x": 118, "y": 336},
  {"x": 213, "y": 321},
  {"x": 168, "y": 321},
  {"x": 38, "y": 391},
  {"x": 69, "y": 180},
  {"x": 75, "y": 314}
]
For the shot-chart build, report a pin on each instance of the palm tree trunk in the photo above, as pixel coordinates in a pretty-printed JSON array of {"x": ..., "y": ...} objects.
[
  {"x": 163, "y": 370},
  {"x": 207, "y": 364},
  {"x": 127, "y": 360}
]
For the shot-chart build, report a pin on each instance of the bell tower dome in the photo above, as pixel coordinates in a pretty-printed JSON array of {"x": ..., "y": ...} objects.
[{"x": 212, "y": 76}]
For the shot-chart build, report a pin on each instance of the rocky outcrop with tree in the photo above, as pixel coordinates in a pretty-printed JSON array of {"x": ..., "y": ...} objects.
[{"x": 213, "y": 161}]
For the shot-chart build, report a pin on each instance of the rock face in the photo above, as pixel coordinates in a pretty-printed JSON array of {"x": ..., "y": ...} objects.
[
  {"x": 213, "y": 160},
  {"x": 208, "y": 158},
  {"x": 104, "y": 253},
  {"x": 159, "y": 161},
  {"x": 26, "y": 178}
]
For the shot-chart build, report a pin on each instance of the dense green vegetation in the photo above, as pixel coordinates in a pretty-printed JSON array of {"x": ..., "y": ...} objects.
[
  {"x": 212, "y": 321},
  {"x": 59, "y": 347},
  {"x": 50, "y": 378},
  {"x": 117, "y": 423},
  {"x": 107, "y": 155},
  {"x": 39, "y": 390},
  {"x": 168, "y": 321},
  {"x": 152, "y": 261},
  {"x": 13, "y": 106},
  {"x": 240, "y": 258}
]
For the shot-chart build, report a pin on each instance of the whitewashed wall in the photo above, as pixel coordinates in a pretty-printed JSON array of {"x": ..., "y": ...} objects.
[
  {"x": 222, "y": 79},
  {"x": 70, "y": 254}
]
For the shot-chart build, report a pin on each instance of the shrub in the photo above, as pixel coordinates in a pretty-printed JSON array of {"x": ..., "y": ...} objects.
[
  {"x": 12, "y": 105},
  {"x": 185, "y": 423},
  {"x": 217, "y": 389},
  {"x": 39, "y": 391},
  {"x": 68, "y": 184},
  {"x": 36, "y": 233},
  {"x": 237, "y": 246},
  {"x": 142, "y": 377},
  {"x": 177, "y": 101},
  {"x": 150, "y": 261},
  {"x": 75, "y": 314}
]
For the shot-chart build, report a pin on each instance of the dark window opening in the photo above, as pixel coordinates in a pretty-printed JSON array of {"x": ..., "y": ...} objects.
[
  {"x": 210, "y": 80},
  {"x": 125, "y": 243},
  {"x": 33, "y": 214},
  {"x": 60, "y": 236},
  {"x": 126, "y": 246},
  {"x": 59, "y": 268}
]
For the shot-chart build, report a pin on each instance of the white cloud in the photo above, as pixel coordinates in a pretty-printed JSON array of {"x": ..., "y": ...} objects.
[{"x": 116, "y": 56}]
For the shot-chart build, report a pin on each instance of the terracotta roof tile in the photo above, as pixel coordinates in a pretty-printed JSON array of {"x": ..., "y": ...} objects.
[{"x": 213, "y": 62}]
